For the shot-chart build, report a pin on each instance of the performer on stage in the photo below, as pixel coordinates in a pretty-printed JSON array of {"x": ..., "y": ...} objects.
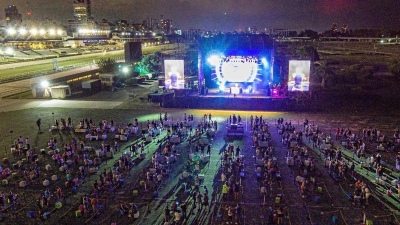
[
  {"x": 174, "y": 75},
  {"x": 298, "y": 78}
]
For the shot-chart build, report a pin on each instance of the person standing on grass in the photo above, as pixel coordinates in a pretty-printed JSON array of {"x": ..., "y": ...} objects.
[
  {"x": 38, "y": 123},
  {"x": 142, "y": 148},
  {"x": 236, "y": 190},
  {"x": 225, "y": 189},
  {"x": 229, "y": 209},
  {"x": 398, "y": 190},
  {"x": 58, "y": 193},
  {"x": 367, "y": 193},
  {"x": 238, "y": 213},
  {"x": 237, "y": 154},
  {"x": 177, "y": 216},
  {"x": 199, "y": 198},
  {"x": 167, "y": 211},
  {"x": 205, "y": 200},
  {"x": 28, "y": 143},
  {"x": 94, "y": 202},
  {"x": 209, "y": 150},
  {"x": 184, "y": 209},
  {"x": 280, "y": 215}
]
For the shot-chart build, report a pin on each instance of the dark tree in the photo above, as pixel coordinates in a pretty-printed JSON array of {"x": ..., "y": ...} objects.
[
  {"x": 106, "y": 65},
  {"x": 151, "y": 63}
]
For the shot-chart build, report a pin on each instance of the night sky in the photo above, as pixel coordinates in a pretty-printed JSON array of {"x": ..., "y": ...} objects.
[{"x": 228, "y": 15}]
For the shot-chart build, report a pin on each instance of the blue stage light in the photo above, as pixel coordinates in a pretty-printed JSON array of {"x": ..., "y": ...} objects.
[
  {"x": 264, "y": 62},
  {"x": 214, "y": 60}
]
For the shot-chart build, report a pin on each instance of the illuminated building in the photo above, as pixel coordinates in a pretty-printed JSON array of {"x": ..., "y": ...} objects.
[
  {"x": 12, "y": 15},
  {"x": 81, "y": 11},
  {"x": 165, "y": 26}
]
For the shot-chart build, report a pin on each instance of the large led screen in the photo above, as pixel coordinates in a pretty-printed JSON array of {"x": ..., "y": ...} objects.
[
  {"x": 236, "y": 69},
  {"x": 299, "y": 75},
  {"x": 174, "y": 74}
]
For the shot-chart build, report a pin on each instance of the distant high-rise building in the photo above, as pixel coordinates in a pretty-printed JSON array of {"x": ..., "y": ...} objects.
[
  {"x": 252, "y": 30},
  {"x": 122, "y": 25},
  {"x": 82, "y": 10},
  {"x": 89, "y": 9},
  {"x": 192, "y": 33},
  {"x": 151, "y": 23},
  {"x": 12, "y": 15},
  {"x": 165, "y": 26}
]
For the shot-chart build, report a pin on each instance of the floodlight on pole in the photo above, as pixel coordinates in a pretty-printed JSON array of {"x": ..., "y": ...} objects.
[
  {"x": 11, "y": 31},
  {"x": 44, "y": 84},
  {"x": 42, "y": 31},
  {"x": 59, "y": 32},
  {"x": 52, "y": 32},
  {"x": 9, "y": 51},
  {"x": 33, "y": 31},
  {"x": 22, "y": 31},
  {"x": 125, "y": 69}
]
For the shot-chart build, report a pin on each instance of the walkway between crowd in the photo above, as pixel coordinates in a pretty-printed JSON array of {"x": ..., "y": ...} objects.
[{"x": 294, "y": 206}]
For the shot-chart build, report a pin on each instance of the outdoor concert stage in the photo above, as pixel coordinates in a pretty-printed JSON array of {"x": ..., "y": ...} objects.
[
  {"x": 235, "y": 72},
  {"x": 215, "y": 99}
]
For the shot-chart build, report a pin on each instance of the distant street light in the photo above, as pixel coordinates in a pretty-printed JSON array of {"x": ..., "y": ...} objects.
[
  {"x": 9, "y": 51},
  {"x": 11, "y": 31},
  {"x": 52, "y": 32},
  {"x": 22, "y": 31},
  {"x": 33, "y": 31}
]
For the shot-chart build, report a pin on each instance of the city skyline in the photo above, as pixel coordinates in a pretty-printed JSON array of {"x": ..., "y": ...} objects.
[{"x": 226, "y": 15}]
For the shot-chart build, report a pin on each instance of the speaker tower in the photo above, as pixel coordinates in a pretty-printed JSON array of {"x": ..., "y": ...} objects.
[{"x": 133, "y": 52}]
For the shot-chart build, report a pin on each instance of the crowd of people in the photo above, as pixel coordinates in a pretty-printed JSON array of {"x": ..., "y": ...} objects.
[
  {"x": 340, "y": 167},
  {"x": 197, "y": 195},
  {"x": 76, "y": 160}
]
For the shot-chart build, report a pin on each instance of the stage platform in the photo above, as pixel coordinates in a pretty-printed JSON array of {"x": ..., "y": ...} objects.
[{"x": 244, "y": 101}]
